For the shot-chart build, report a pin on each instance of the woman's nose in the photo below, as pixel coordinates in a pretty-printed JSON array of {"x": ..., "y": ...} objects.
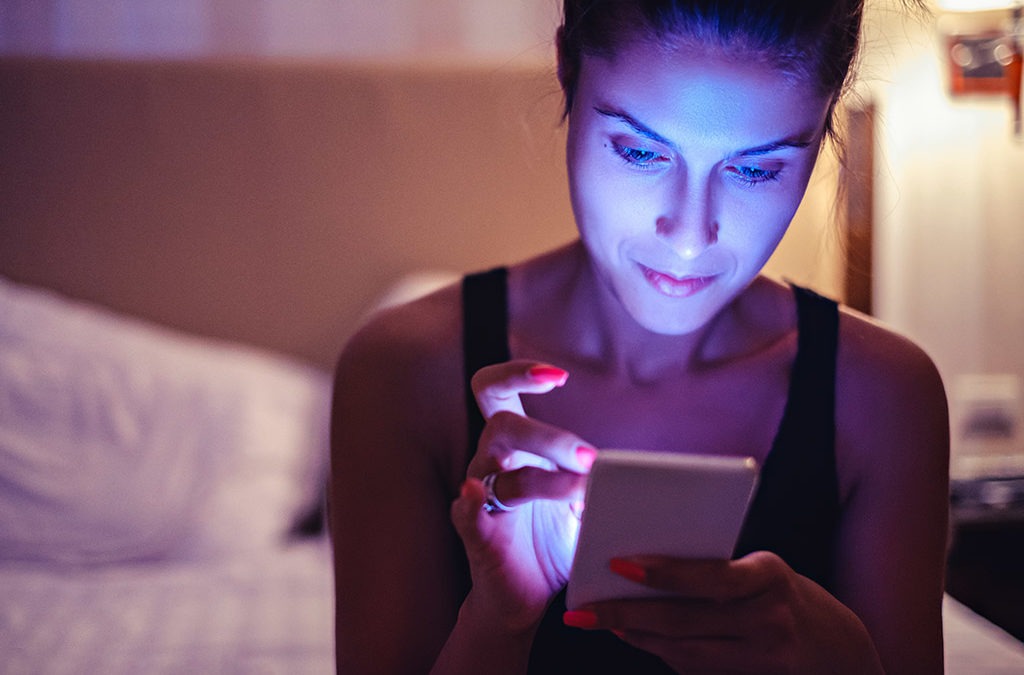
[{"x": 688, "y": 224}]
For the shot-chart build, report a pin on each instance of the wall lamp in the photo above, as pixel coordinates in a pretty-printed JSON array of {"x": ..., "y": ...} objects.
[{"x": 983, "y": 49}]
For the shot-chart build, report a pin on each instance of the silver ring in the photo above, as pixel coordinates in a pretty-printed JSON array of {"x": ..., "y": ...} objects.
[{"x": 491, "y": 502}]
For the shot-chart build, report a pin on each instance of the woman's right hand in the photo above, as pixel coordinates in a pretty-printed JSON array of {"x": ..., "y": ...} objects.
[{"x": 520, "y": 559}]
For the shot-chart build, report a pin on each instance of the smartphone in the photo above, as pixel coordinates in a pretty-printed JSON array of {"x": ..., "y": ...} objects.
[{"x": 641, "y": 503}]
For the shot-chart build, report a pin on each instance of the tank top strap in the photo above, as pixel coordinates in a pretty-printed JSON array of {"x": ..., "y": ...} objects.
[
  {"x": 814, "y": 371},
  {"x": 484, "y": 333},
  {"x": 796, "y": 508}
]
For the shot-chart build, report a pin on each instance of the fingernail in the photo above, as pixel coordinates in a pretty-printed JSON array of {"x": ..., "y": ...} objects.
[
  {"x": 628, "y": 570},
  {"x": 580, "y": 618},
  {"x": 586, "y": 455},
  {"x": 549, "y": 375}
]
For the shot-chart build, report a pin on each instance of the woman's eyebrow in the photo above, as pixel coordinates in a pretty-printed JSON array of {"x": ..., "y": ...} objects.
[
  {"x": 798, "y": 141},
  {"x": 636, "y": 126}
]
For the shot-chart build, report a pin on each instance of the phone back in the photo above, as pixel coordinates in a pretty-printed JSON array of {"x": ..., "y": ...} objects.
[{"x": 643, "y": 503}]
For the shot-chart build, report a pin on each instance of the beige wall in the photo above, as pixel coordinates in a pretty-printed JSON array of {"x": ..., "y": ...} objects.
[{"x": 271, "y": 202}]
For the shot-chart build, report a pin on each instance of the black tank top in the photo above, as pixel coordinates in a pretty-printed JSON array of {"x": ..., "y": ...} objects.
[{"x": 795, "y": 510}]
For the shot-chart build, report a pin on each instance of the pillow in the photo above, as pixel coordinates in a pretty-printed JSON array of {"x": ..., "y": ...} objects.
[
  {"x": 123, "y": 441},
  {"x": 280, "y": 436}
]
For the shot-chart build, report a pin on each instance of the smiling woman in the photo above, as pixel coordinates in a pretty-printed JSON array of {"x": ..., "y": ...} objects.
[{"x": 693, "y": 129}]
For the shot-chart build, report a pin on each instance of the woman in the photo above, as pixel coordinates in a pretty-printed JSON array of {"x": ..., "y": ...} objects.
[{"x": 693, "y": 128}]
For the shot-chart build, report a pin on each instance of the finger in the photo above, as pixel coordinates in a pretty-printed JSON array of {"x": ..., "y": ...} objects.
[
  {"x": 528, "y": 484},
  {"x": 714, "y": 651},
  {"x": 717, "y": 580},
  {"x": 675, "y": 617},
  {"x": 507, "y": 437},
  {"x": 699, "y": 650},
  {"x": 498, "y": 387},
  {"x": 699, "y": 655},
  {"x": 468, "y": 515}
]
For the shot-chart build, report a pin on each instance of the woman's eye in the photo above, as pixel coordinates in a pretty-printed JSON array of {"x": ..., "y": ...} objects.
[
  {"x": 638, "y": 156},
  {"x": 753, "y": 175}
]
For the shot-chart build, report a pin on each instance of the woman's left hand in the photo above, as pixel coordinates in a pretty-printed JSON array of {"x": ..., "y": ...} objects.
[{"x": 751, "y": 615}]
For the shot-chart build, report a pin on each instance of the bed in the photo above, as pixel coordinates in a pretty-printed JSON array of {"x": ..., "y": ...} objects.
[
  {"x": 158, "y": 493},
  {"x": 184, "y": 248},
  {"x": 272, "y": 614}
]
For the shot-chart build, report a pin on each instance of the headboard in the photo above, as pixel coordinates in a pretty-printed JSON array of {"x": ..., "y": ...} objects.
[{"x": 271, "y": 202}]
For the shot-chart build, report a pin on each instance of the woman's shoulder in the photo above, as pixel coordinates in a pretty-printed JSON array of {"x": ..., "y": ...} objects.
[
  {"x": 412, "y": 339},
  {"x": 872, "y": 354},
  {"x": 892, "y": 417},
  {"x": 398, "y": 389},
  {"x": 405, "y": 364}
]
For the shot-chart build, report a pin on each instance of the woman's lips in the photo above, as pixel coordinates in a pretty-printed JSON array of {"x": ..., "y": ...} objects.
[{"x": 676, "y": 287}]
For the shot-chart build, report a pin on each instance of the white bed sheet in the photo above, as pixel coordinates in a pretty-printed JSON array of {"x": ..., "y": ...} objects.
[
  {"x": 974, "y": 646},
  {"x": 270, "y": 613}
]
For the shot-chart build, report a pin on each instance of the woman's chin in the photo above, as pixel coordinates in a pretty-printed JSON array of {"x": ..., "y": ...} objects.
[{"x": 670, "y": 319}]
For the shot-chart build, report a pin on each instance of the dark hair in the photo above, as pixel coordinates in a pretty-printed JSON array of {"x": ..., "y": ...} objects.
[{"x": 816, "y": 40}]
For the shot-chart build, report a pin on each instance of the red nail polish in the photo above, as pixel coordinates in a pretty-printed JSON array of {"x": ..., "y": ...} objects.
[
  {"x": 628, "y": 570},
  {"x": 549, "y": 375},
  {"x": 580, "y": 618},
  {"x": 586, "y": 455}
]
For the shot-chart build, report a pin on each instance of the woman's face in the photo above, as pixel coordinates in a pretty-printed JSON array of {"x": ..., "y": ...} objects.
[{"x": 685, "y": 170}]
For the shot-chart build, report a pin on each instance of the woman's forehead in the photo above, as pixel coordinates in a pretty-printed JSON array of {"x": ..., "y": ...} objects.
[{"x": 692, "y": 90}]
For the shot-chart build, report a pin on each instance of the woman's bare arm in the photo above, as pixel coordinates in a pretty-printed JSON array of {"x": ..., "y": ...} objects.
[
  {"x": 892, "y": 450},
  {"x": 397, "y": 461}
]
